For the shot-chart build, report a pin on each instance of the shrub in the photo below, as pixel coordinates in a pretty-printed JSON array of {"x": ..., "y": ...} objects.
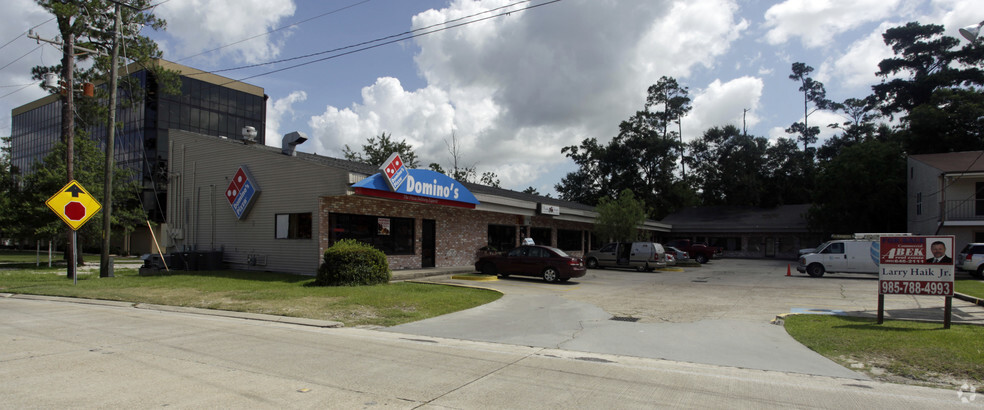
[{"x": 352, "y": 263}]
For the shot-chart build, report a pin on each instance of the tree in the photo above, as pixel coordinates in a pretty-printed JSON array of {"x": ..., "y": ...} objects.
[
  {"x": 619, "y": 219},
  {"x": 98, "y": 25},
  {"x": 728, "y": 167},
  {"x": 376, "y": 151},
  {"x": 460, "y": 172},
  {"x": 813, "y": 91},
  {"x": 790, "y": 174},
  {"x": 941, "y": 89},
  {"x": 34, "y": 221},
  {"x": 861, "y": 190},
  {"x": 675, "y": 100}
]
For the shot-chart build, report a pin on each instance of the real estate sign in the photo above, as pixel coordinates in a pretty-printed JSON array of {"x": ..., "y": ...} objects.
[{"x": 916, "y": 265}]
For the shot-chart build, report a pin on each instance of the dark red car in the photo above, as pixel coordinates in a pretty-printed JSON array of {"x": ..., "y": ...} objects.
[{"x": 547, "y": 262}]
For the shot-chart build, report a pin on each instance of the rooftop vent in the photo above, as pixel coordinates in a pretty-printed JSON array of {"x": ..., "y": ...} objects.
[
  {"x": 291, "y": 141},
  {"x": 249, "y": 134}
]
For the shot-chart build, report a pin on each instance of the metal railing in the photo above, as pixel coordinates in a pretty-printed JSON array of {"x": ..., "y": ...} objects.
[{"x": 963, "y": 210}]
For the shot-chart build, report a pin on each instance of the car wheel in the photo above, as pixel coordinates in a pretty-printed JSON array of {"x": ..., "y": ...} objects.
[
  {"x": 550, "y": 275},
  {"x": 815, "y": 270},
  {"x": 980, "y": 272},
  {"x": 642, "y": 268},
  {"x": 592, "y": 263},
  {"x": 488, "y": 269},
  {"x": 701, "y": 259}
]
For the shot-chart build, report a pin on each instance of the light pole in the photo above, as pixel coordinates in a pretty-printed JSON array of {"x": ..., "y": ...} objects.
[{"x": 972, "y": 31}]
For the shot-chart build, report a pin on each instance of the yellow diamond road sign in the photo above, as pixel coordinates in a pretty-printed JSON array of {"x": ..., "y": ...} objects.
[{"x": 73, "y": 204}]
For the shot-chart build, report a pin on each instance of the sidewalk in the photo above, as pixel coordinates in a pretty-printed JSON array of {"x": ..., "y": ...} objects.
[{"x": 436, "y": 273}]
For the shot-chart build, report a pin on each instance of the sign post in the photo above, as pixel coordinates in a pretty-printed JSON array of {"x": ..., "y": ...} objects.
[
  {"x": 75, "y": 206},
  {"x": 916, "y": 265}
]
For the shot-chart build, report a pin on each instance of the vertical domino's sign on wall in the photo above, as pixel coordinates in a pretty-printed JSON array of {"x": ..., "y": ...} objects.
[{"x": 242, "y": 192}]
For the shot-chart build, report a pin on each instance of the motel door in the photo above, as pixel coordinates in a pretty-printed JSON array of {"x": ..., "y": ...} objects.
[{"x": 427, "y": 244}]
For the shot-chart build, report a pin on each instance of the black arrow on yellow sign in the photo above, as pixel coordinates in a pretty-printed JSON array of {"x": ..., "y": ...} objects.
[{"x": 75, "y": 190}]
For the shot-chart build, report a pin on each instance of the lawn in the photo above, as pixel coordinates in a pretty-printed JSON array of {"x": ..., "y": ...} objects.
[
  {"x": 896, "y": 351},
  {"x": 970, "y": 287},
  {"x": 256, "y": 292}
]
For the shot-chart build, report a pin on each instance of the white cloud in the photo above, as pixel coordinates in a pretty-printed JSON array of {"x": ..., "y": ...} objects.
[
  {"x": 722, "y": 104},
  {"x": 276, "y": 110},
  {"x": 19, "y": 54},
  {"x": 512, "y": 108},
  {"x": 817, "y": 23},
  {"x": 201, "y": 25},
  {"x": 856, "y": 68}
]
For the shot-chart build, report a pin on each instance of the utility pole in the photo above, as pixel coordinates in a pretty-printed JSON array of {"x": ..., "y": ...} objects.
[
  {"x": 68, "y": 129},
  {"x": 105, "y": 270}
]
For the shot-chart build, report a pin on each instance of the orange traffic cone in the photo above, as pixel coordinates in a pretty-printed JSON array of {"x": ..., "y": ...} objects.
[{"x": 789, "y": 271}]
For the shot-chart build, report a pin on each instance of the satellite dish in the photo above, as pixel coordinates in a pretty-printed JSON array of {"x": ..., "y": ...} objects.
[{"x": 972, "y": 31}]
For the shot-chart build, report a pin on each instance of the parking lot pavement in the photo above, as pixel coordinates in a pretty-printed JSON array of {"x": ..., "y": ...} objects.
[{"x": 718, "y": 313}]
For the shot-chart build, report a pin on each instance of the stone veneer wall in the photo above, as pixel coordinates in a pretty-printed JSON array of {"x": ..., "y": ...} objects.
[{"x": 460, "y": 232}]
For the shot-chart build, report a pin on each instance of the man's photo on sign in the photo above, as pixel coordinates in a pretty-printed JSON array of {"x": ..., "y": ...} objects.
[{"x": 938, "y": 251}]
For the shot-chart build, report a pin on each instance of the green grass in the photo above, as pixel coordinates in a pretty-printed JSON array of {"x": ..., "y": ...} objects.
[
  {"x": 925, "y": 353},
  {"x": 257, "y": 292},
  {"x": 29, "y": 259},
  {"x": 970, "y": 287}
]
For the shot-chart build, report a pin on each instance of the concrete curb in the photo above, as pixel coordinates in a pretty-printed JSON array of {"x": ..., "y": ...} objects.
[
  {"x": 181, "y": 309},
  {"x": 967, "y": 298}
]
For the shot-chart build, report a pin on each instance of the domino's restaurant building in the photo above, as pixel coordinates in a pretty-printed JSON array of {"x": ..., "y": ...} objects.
[{"x": 277, "y": 209}]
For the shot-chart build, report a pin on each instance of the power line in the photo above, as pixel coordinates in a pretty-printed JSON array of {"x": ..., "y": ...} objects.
[
  {"x": 25, "y": 32},
  {"x": 275, "y": 30},
  {"x": 401, "y": 37}
]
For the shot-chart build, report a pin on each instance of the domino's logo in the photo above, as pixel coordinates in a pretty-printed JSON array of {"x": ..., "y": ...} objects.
[{"x": 242, "y": 192}]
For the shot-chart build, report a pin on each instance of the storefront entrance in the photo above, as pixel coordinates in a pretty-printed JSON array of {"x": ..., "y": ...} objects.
[{"x": 427, "y": 244}]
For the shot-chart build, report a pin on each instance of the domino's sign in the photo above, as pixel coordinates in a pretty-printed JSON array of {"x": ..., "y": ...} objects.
[
  {"x": 419, "y": 185},
  {"x": 394, "y": 171},
  {"x": 242, "y": 192}
]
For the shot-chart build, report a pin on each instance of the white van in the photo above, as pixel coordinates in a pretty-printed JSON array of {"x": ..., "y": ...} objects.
[
  {"x": 845, "y": 255},
  {"x": 640, "y": 255},
  {"x": 856, "y": 255}
]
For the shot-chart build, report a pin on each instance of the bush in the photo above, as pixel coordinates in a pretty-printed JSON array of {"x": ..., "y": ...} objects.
[{"x": 352, "y": 263}]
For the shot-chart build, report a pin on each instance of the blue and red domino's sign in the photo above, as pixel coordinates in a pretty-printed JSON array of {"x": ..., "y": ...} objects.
[
  {"x": 242, "y": 192},
  {"x": 397, "y": 181}
]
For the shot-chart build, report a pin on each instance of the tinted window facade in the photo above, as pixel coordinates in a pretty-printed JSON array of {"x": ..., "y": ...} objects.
[{"x": 203, "y": 107}]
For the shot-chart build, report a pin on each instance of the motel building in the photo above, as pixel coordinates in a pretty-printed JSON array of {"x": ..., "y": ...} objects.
[{"x": 277, "y": 209}]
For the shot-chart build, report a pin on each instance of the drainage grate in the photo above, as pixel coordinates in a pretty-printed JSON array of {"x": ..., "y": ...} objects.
[{"x": 625, "y": 318}]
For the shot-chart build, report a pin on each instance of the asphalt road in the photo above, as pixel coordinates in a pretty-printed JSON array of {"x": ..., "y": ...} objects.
[{"x": 64, "y": 354}]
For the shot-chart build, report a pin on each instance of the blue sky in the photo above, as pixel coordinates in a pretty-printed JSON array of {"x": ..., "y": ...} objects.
[{"x": 512, "y": 90}]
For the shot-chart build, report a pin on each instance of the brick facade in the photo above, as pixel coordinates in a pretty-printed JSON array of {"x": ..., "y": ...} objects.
[{"x": 460, "y": 232}]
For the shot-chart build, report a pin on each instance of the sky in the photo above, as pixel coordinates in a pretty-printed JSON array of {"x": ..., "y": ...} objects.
[{"x": 508, "y": 84}]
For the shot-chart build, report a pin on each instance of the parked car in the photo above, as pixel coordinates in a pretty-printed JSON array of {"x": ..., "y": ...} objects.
[
  {"x": 640, "y": 255},
  {"x": 547, "y": 262},
  {"x": 670, "y": 259},
  {"x": 680, "y": 255},
  {"x": 699, "y": 251},
  {"x": 971, "y": 259}
]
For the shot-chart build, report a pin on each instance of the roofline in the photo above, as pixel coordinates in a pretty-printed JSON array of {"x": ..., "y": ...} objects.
[{"x": 167, "y": 65}]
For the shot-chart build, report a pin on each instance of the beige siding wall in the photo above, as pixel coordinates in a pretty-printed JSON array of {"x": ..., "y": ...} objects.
[{"x": 200, "y": 217}]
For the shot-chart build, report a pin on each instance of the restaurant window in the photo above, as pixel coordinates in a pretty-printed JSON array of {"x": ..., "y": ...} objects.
[
  {"x": 293, "y": 226},
  {"x": 569, "y": 240},
  {"x": 502, "y": 237},
  {"x": 541, "y": 236},
  {"x": 393, "y": 236}
]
